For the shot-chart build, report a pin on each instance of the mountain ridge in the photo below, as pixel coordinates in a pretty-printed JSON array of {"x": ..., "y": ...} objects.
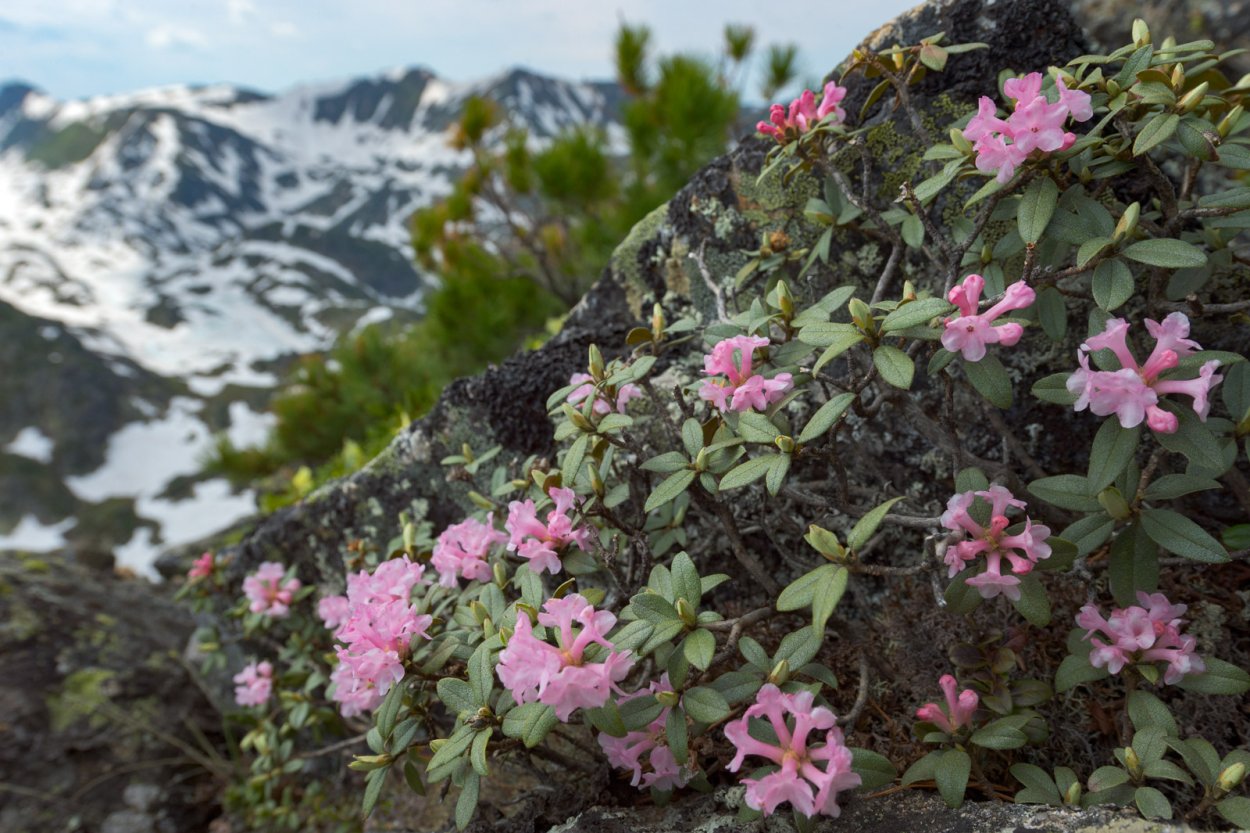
[{"x": 199, "y": 238}]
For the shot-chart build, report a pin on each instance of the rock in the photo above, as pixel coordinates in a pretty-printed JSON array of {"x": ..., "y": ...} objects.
[{"x": 94, "y": 704}]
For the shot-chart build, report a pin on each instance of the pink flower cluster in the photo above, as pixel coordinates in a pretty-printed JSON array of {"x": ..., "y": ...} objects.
[
  {"x": 804, "y": 114},
  {"x": 1034, "y": 124},
  {"x": 797, "y": 757},
  {"x": 959, "y": 707},
  {"x": 254, "y": 684},
  {"x": 202, "y": 567},
  {"x": 269, "y": 591},
  {"x": 461, "y": 551},
  {"x": 1021, "y": 551},
  {"x": 627, "y": 752},
  {"x": 560, "y": 677},
  {"x": 969, "y": 332},
  {"x": 603, "y": 403},
  {"x": 744, "y": 389},
  {"x": 1132, "y": 392},
  {"x": 1150, "y": 633},
  {"x": 377, "y": 622},
  {"x": 542, "y": 543}
]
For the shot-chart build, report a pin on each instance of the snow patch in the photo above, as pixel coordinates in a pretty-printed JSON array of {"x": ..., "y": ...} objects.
[{"x": 32, "y": 443}]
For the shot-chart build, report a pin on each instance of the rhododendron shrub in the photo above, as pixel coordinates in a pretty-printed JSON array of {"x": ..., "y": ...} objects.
[{"x": 878, "y": 410}]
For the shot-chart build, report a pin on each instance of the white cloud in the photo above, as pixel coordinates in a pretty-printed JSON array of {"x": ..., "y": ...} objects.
[
  {"x": 238, "y": 11},
  {"x": 172, "y": 35},
  {"x": 284, "y": 29}
]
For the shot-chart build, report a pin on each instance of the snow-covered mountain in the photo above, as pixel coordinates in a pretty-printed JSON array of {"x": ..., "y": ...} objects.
[{"x": 162, "y": 253}]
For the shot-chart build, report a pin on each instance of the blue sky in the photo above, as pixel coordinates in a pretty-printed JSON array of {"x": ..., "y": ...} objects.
[{"x": 76, "y": 48}]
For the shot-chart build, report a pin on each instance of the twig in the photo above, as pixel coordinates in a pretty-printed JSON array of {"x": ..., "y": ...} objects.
[{"x": 861, "y": 697}]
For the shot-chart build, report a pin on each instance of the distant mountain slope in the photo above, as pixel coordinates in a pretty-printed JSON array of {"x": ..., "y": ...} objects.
[{"x": 172, "y": 246}]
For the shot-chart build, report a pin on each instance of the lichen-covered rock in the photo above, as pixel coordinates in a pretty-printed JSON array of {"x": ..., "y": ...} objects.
[{"x": 95, "y": 705}]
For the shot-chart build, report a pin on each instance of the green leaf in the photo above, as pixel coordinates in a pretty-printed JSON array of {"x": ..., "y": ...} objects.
[
  {"x": 874, "y": 770},
  {"x": 669, "y": 489},
  {"x": 1166, "y": 252},
  {"x": 373, "y": 789},
  {"x": 638, "y": 712},
  {"x": 654, "y": 608},
  {"x": 825, "y": 417},
  {"x": 1106, "y": 778},
  {"x": 389, "y": 710},
  {"x": 1067, "y": 491},
  {"x": 921, "y": 770},
  {"x": 776, "y": 474},
  {"x": 458, "y": 696},
  {"x": 573, "y": 459},
  {"x": 455, "y": 746},
  {"x": 915, "y": 313},
  {"x": 413, "y": 776},
  {"x": 990, "y": 379},
  {"x": 829, "y": 334},
  {"x": 529, "y": 723},
  {"x": 756, "y": 428},
  {"x": 698, "y": 647},
  {"x": 1054, "y": 389},
  {"x": 799, "y": 593},
  {"x": 827, "y": 597},
  {"x": 481, "y": 673},
  {"x": 1220, "y": 678},
  {"x": 692, "y": 437},
  {"x": 895, "y": 366},
  {"x": 1039, "y": 786},
  {"x": 1172, "y": 486},
  {"x": 930, "y": 188},
  {"x": 477, "y": 753},
  {"x": 1075, "y": 670},
  {"x": 1090, "y": 248},
  {"x": 1235, "y": 809},
  {"x": 747, "y": 473},
  {"x": 737, "y": 686},
  {"x": 1146, "y": 710},
  {"x": 867, "y": 525},
  {"x": 706, "y": 705},
  {"x": 1178, "y": 534},
  {"x": 951, "y": 774},
  {"x": 1156, "y": 131},
  {"x": 675, "y": 734},
  {"x": 1037, "y": 206},
  {"x": 1132, "y": 565},
  {"x": 466, "y": 804},
  {"x": 960, "y": 597},
  {"x": 666, "y": 463},
  {"x": 1052, "y": 313},
  {"x": 1114, "y": 448},
  {"x": 799, "y": 647},
  {"x": 686, "y": 582},
  {"x": 1150, "y": 801},
  {"x": 1033, "y": 604},
  {"x": 1003, "y": 733},
  {"x": 1195, "y": 440},
  {"x": 1112, "y": 284}
]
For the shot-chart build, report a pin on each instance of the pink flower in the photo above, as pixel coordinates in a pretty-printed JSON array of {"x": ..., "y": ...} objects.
[
  {"x": 270, "y": 591},
  {"x": 804, "y": 114},
  {"x": 959, "y": 709},
  {"x": 1035, "y": 124},
  {"x": 744, "y": 389},
  {"x": 202, "y": 567},
  {"x": 542, "y": 543},
  {"x": 1146, "y": 634},
  {"x": 461, "y": 551},
  {"x": 377, "y": 622},
  {"x": 794, "y": 754},
  {"x": 627, "y": 752},
  {"x": 1132, "y": 392},
  {"x": 1021, "y": 550},
  {"x": 533, "y": 670},
  {"x": 254, "y": 684},
  {"x": 970, "y": 332},
  {"x": 604, "y": 403}
]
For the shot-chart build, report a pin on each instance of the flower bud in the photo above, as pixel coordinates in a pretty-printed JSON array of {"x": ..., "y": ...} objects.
[
  {"x": 667, "y": 699},
  {"x": 1072, "y": 797},
  {"x": 786, "y": 444},
  {"x": 1115, "y": 504},
  {"x": 1231, "y": 777},
  {"x": 1230, "y": 121},
  {"x": 504, "y": 635},
  {"x": 961, "y": 144},
  {"x": 480, "y": 614},
  {"x": 785, "y": 301},
  {"x": 899, "y": 61},
  {"x": 700, "y": 460},
  {"x": 780, "y": 673},
  {"x": 861, "y": 315},
  {"x": 595, "y": 363},
  {"x": 1190, "y": 100},
  {"x": 825, "y": 543},
  {"x": 1113, "y": 88},
  {"x": 577, "y": 417},
  {"x": 410, "y": 535},
  {"x": 657, "y": 322},
  {"x": 1128, "y": 222},
  {"x": 1141, "y": 33},
  {"x": 596, "y": 482},
  {"x": 563, "y": 589},
  {"x": 481, "y": 501},
  {"x": 500, "y": 575},
  {"x": 1133, "y": 764},
  {"x": 686, "y": 612}
]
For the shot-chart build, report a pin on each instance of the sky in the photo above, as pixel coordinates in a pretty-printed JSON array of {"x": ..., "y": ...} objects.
[{"x": 80, "y": 48}]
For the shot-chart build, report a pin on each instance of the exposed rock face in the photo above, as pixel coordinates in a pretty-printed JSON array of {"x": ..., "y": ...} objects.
[{"x": 96, "y": 705}]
